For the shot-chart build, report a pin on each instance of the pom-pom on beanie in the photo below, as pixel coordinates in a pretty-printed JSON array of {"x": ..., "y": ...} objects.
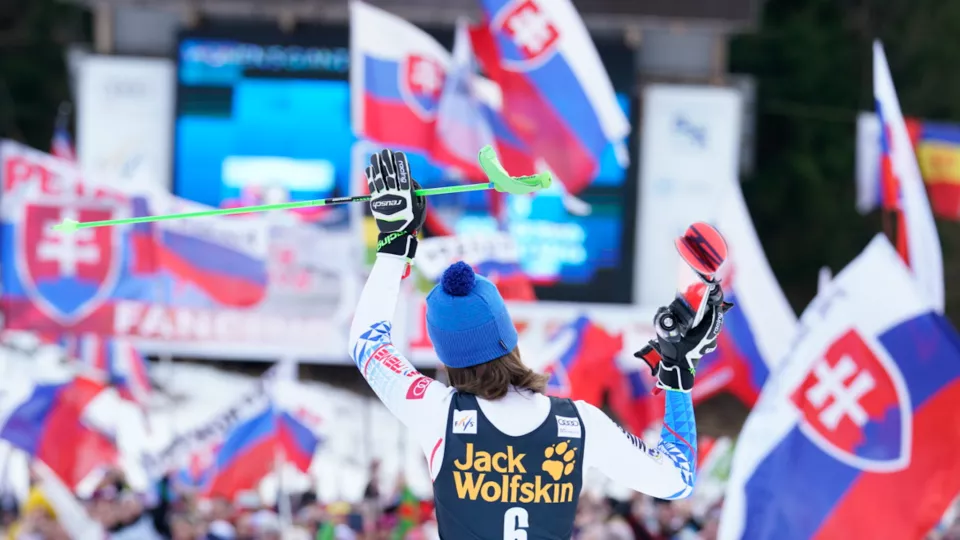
[{"x": 467, "y": 319}]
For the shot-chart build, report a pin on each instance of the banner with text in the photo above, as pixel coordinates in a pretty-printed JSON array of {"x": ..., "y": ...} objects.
[
  {"x": 254, "y": 287},
  {"x": 691, "y": 155}
]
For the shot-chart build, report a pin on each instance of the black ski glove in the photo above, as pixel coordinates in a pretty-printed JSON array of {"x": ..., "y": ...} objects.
[
  {"x": 673, "y": 356},
  {"x": 398, "y": 211}
]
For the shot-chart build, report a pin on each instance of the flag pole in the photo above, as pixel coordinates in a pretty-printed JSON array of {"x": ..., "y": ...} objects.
[{"x": 283, "y": 502}]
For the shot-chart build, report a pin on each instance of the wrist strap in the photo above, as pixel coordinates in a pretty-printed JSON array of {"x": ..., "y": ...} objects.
[{"x": 400, "y": 244}]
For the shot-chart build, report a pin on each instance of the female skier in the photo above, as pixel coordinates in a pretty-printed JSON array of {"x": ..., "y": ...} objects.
[{"x": 506, "y": 460}]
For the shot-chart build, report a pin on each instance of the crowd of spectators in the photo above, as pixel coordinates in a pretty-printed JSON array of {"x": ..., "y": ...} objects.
[{"x": 176, "y": 513}]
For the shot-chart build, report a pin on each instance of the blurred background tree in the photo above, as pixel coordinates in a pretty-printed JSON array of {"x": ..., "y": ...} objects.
[
  {"x": 33, "y": 74},
  {"x": 813, "y": 64}
]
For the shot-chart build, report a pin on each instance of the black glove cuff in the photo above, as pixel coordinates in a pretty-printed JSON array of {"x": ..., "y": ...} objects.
[
  {"x": 400, "y": 243},
  {"x": 650, "y": 354},
  {"x": 674, "y": 377}
]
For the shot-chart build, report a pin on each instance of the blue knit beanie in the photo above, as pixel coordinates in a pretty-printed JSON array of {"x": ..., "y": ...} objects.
[{"x": 467, "y": 320}]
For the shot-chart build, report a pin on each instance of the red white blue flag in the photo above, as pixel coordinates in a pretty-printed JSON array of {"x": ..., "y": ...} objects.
[
  {"x": 917, "y": 239},
  {"x": 855, "y": 436},
  {"x": 557, "y": 95}
]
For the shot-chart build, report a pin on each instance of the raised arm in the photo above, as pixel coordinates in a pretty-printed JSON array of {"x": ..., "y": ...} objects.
[
  {"x": 416, "y": 400},
  {"x": 667, "y": 471}
]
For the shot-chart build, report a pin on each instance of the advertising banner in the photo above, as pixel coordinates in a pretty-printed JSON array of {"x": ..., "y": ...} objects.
[
  {"x": 690, "y": 152},
  {"x": 689, "y": 173},
  {"x": 125, "y": 110}
]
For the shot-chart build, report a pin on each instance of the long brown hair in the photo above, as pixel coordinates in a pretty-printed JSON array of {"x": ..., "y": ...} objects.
[{"x": 492, "y": 379}]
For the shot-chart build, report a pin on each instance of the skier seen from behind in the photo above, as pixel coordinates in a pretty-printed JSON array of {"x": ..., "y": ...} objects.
[{"x": 506, "y": 460}]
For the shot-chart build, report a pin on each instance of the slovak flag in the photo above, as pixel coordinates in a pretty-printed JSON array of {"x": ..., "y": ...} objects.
[
  {"x": 117, "y": 359},
  {"x": 582, "y": 365},
  {"x": 470, "y": 116},
  {"x": 557, "y": 95},
  {"x": 251, "y": 449},
  {"x": 856, "y": 435},
  {"x": 395, "y": 82},
  {"x": 199, "y": 470},
  {"x": 462, "y": 128},
  {"x": 225, "y": 260},
  {"x": 917, "y": 239},
  {"x": 49, "y": 424},
  {"x": 411, "y": 92},
  {"x": 632, "y": 399}
]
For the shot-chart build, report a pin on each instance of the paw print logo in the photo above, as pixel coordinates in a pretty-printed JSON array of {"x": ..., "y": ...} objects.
[{"x": 559, "y": 460}]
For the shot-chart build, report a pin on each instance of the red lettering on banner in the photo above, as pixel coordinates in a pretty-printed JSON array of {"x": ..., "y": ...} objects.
[
  {"x": 25, "y": 175},
  {"x": 15, "y": 171},
  {"x": 23, "y": 314},
  {"x": 419, "y": 388},
  {"x": 182, "y": 324}
]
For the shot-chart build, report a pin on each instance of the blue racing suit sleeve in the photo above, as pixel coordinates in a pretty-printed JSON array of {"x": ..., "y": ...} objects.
[
  {"x": 665, "y": 471},
  {"x": 678, "y": 438}
]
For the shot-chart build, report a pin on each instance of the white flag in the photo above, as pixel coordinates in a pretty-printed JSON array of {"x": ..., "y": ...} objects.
[{"x": 924, "y": 256}]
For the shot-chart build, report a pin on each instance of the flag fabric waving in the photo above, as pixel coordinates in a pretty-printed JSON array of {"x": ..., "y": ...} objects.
[
  {"x": 61, "y": 145},
  {"x": 470, "y": 115},
  {"x": 853, "y": 437},
  {"x": 249, "y": 451},
  {"x": 246, "y": 456},
  {"x": 297, "y": 437},
  {"x": 51, "y": 419},
  {"x": 584, "y": 363},
  {"x": 115, "y": 358},
  {"x": 556, "y": 92},
  {"x": 758, "y": 330},
  {"x": 411, "y": 92},
  {"x": 938, "y": 154},
  {"x": 395, "y": 83},
  {"x": 462, "y": 127},
  {"x": 937, "y": 145},
  {"x": 224, "y": 259},
  {"x": 198, "y": 471},
  {"x": 632, "y": 399},
  {"x": 917, "y": 238}
]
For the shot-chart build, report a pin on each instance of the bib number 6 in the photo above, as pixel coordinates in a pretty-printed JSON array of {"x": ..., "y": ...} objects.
[{"x": 515, "y": 520}]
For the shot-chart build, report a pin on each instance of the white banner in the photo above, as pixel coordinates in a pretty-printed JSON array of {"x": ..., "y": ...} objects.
[
  {"x": 690, "y": 152},
  {"x": 868, "y": 162},
  {"x": 168, "y": 458},
  {"x": 125, "y": 110},
  {"x": 436, "y": 253}
]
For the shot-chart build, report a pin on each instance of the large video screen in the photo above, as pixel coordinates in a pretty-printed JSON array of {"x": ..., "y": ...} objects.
[
  {"x": 264, "y": 116},
  {"x": 262, "y": 121}
]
